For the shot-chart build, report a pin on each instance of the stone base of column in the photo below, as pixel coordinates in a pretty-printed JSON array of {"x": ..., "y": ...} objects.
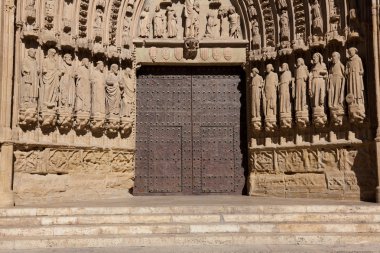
[{"x": 6, "y": 199}]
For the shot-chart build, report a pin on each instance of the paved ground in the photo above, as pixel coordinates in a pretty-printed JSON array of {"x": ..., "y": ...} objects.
[
  {"x": 200, "y": 201},
  {"x": 218, "y": 249}
]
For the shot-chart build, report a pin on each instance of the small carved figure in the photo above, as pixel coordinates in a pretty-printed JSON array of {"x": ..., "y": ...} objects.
[
  {"x": 83, "y": 88},
  {"x": 257, "y": 85},
  {"x": 234, "y": 18},
  {"x": 211, "y": 26},
  {"x": 98, "y": 90},
  {"x": 284, "y": 24},
  {"x": 128, "y": 94},
  {"x": 158, "y": 23},
  {"x": 113, "y": 95},
  {"x": 317, "y": 89},
  {"x": 355, "y": 84},
  {"x": 144, "y": 23},
  {"x": 127, "y": 26},
  {"x": 317, "y": 24},
  {"x": 172, "y": 22},
  {"x": 256, "y": 37},
  {"x": 270, "y": 100},
  {"x": 30, "y": 76},
  {"x": 282, "y": 4},
  {"x": 224, "y": 24},
  {"x": 98, "y": 22},
  {"x": 50, "y": 80},
  {"x": 302, "y": 75},
  {"x": 67, "y": 83},
  {"x": 192, "y": 9},
  {"x": 354, "y": 29}
]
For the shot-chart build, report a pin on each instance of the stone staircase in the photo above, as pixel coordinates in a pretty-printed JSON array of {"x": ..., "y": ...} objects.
[{"x": 207, "y": 225}]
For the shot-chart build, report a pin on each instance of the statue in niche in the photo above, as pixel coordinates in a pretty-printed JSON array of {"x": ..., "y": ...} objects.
[
  {"x": 98, "y": 90},
  {"x": 317, "y": 21},
  {"x": 256, "y": 36},
  {"x": 211, "y": 25},
  {"x": 30, "y": 80},
  {"x": 127, "y": 94},
  {"x": 224, "y": 24},
  {"x": 354, "y": 23},
  {"x": 286, "y": 83},
  {"x": 336, "y": 89},
  {"x": 302, "y": 75},
  {"x": 83, "y": 88},
  {"x": 50, "y": 80},
  {"x": 284, "y": 24},
  {"x": 355, "y": 85},
  {"x": 126, "y": 29},
  {"x": 158, "y": 23},
  {"x": 282, "y": 4},
  {"x": 317, "y": 89},
  {"x": 172, "y": 22},
  {"x": 257, "y": 85},
  {"x": 144, "y": 23},
  {"x": 113, "y": 95},
  {"x": 67, "y": 83},
  {"x": 234, "y": 19},
  {"x": 192, "y": 9},
  {"x": 98, "y": 21},
  {"x": 270, "y": 98}
]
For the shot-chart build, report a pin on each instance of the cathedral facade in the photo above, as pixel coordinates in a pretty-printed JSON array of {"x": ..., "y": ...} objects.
[{"x": 101, "y": 99}]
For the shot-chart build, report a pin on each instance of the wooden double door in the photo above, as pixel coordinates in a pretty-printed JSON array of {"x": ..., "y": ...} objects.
[{"x": 191, "y": 135}]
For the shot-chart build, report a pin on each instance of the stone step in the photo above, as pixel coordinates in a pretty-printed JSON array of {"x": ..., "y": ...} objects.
[
  {"x": 334, "y": 239},
  {"x": 131, "y": 230},
  {"x": 201, "y": 209},
  {"x": 188, "y": 218}
]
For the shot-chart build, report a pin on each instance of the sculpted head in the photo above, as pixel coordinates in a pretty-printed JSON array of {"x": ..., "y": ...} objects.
[
  {"x": 285, "y": 67},
  {"x": 317, "y": 58},
  {"x": 68, "y": 58},
  {"x": 352, "y": 51},
  {"x": 128, "y": 72},
  {"x": 51, "y": 52},
  {"x": 269, "y": 68},
  {"x": 146, "y": 9},
  {"x": 158, "y": 8},
  {"x": 85, "y": 62},
  {"x": 114, "y": 68},
  {"x": 100, "y": 66},
  {"x": 32, "y": 53},
  {"x": 255, "y": 72},
  {"x": 231, "y": 10},
  {"x": 300, "y": 62},
  {"x": 335, "y": 57}
]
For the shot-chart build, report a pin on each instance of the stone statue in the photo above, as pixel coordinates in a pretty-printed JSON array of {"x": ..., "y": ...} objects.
[
  {"x": 127, "y": 93},
  {"x": 234, "y": 18},
  {"x": 284, "y": 89},
  {"x": 172, "y": 22},
  {"x": 98, "y": 90},
  {"x": 50, "y": 80},
  {"x": 256, "y": 36},
  {"x": 317, "y": 23},
  {"x": 257, "y": 84},
  {"x": 354, "y": 23},
  {"x": 336, "y": 89},
  {"x": 355, "y": 85},
  {"x": 302, "y": 75},
  {"x": 126, "y": 29},
  {"x": 98, "y": 22},
  {"x": 158, "y": 23},
  {"x": 113, "y": 95},
  {"x": 270, "y": 100},
  {"x": 30, "y": 80},
  {"x": 282, "y": 4},
  {"x": 67, "y": 83},
  {"x": 317, "y": 89},
  {"x": 83, "y": 88},
  {"x": 192, "y": 9},
  {"x": 224, "y": 24},
  {"x": 301, "y": 107},
  {"x": 212, "y": 25},
  {"x": 284, "y": 24},
  {"x": 144, "y": 23}
]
